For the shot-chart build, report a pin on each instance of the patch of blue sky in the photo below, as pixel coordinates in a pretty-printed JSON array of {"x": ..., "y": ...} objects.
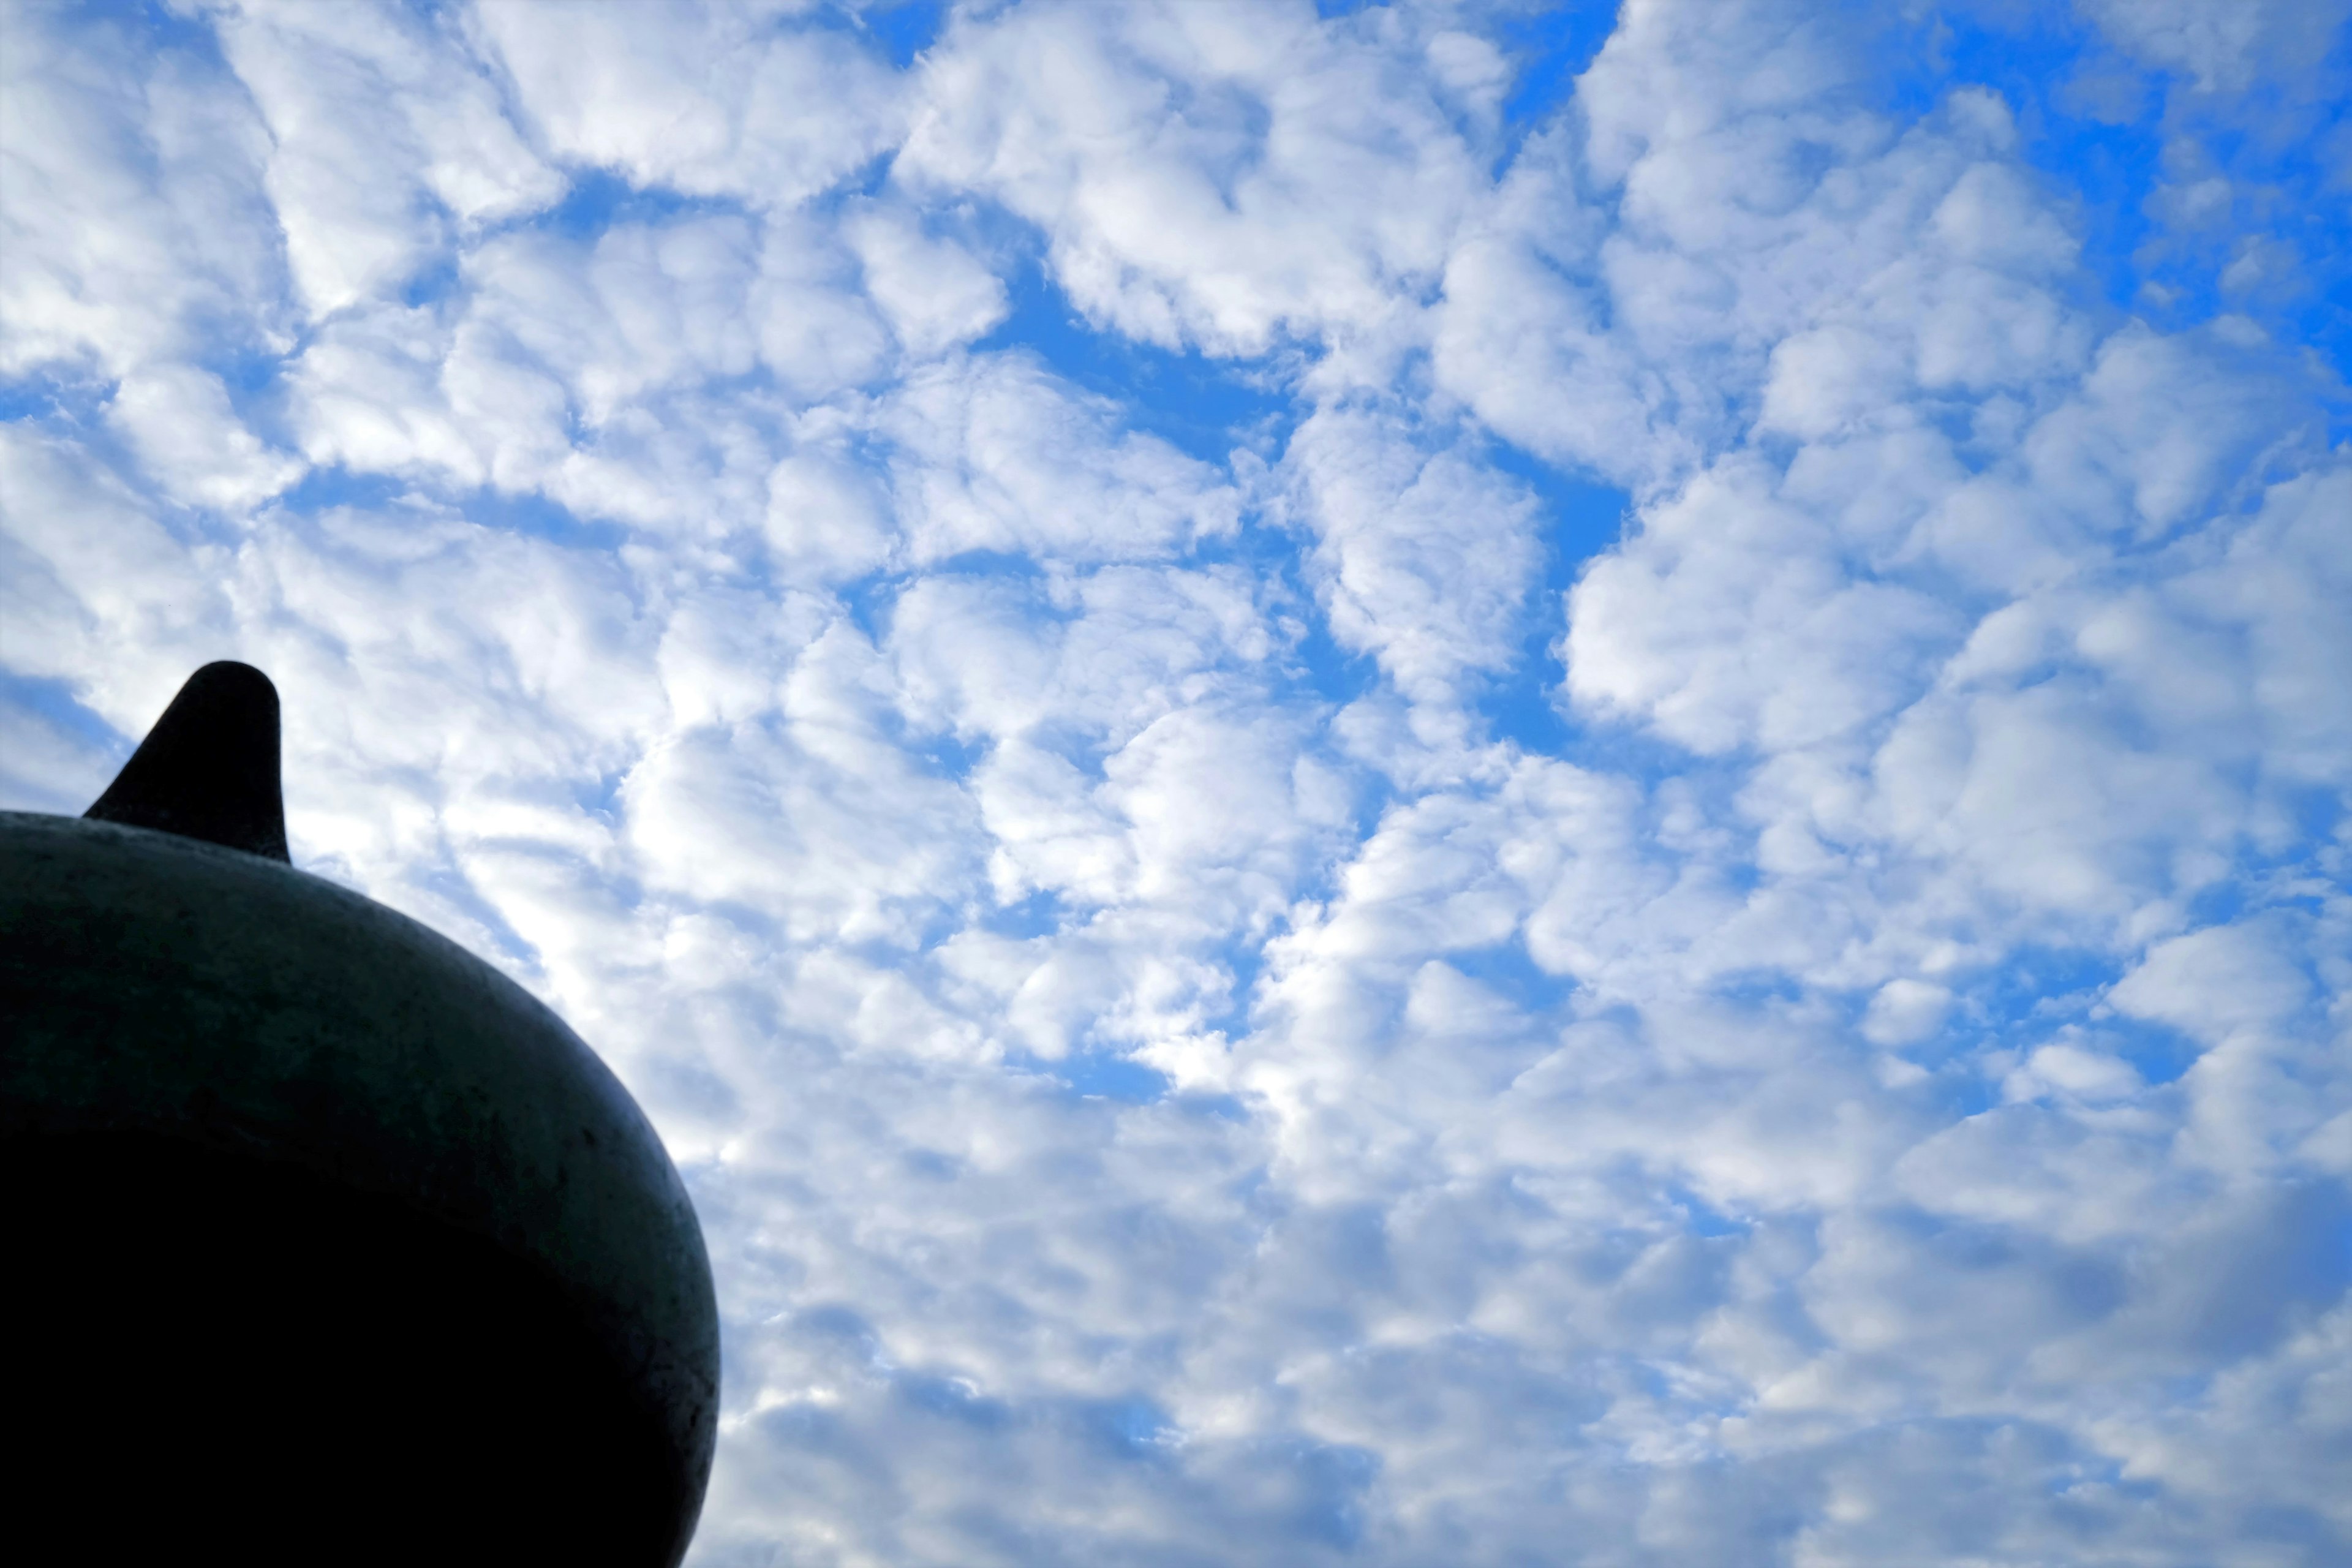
[
  {"x": 1316, "y": 664},
  {"x": 327, "y": 488},
  {"x": 2029, "y": 56},
  {"x": 531, "y": 513},
  {"x": 2108, "y": 1473},
  {"x": 1245, "y": 962},
  {"x": 1959, "y": 1087},
  {"x": 2036, "y": 984},
  {"x": 54, "y": 702},
  {"x": 526, "y": 512},
  {"x": 2039, "y": 996},
  {"x": 1217, "y": 1107},
  {"x": 944, "y": 753},
  {"x": 1329, "y": 1481},
  {"x": 1703, "y": 1218},
  {"x": 46, "y": 396},
  {"x": 904, "y": 28},
  {"x": 2101, "y": 129},
  {"x": 1580, "y": 521},
  {"x": 156, "y": 25},
  {"x": 872, "y": 599},
  {"x": 952, "y": 1398},
  {"x": 2157, "y": 1052},
  {"x": 2018, "y": 1004},
  {"x": 1549, "y": 48},
  {"x": 1624, "y": 750},
  {"x": 598, "y": 199},
  {"x": 1968, "y": 1059},
  {"x": 1040, "y": 913},
  {"x": 2309, "y": 816},
  {"x": 598, "y": 795},
  {"x": 458, "y": 892},
  {"x": 1322, "y": 666},
  {"x": 253, "y": 374},
  {"x": 1095, "y": 1074},
  {"x": 1135, "y": 1428},
  {"x": 2109, "y": 163},
  {"x": 1204, "y": 406},
  {"x": 1506, "y": 969},
  {"x": 437, "y": 280},
  {"x": 1763, "y": 989},
  {"x": 1545, "y": 47}
]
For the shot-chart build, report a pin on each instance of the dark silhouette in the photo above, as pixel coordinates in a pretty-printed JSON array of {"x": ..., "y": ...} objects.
[
  {"x": 325, "y": 1243},
  {"x": 208, "y": 769}
]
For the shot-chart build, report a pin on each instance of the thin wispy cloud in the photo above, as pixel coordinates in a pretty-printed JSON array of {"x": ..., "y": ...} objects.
[{"x": 1401, "y": 784}]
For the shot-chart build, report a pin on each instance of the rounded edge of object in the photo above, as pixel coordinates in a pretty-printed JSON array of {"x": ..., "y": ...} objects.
[
  {"x": 208, "y": 767},
  {"x": 270, "y": 1012}
]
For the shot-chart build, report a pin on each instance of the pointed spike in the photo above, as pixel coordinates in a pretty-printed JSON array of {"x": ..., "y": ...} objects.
[{"x": 209, "y": 767}]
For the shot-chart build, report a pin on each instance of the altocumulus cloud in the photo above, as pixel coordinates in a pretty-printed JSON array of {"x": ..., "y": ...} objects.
[{"x": 1412, "y": 785}]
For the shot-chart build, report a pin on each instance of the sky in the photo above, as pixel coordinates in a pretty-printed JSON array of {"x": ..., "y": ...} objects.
[{"x": 1425, "y": 785}]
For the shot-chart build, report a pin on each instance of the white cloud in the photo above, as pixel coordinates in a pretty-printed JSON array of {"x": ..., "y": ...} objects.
[
  {"x": 93, "y": 577},
  {"x": 715, "y": 100},
  {"x": 826, "y": 517},
  {"x": 2220, "y": 46},
  {"x": 2213, "y": 984},
  {"x": 936, "y": 294},
  {"x": 1423, "y": 557},
  {"x": 1879, "y": 1092},
  {"x": 179, "y": 420},
  {"x": 646, "y": 309},
  {"x": 992, "y": 454},
  {"x": 132, "y": 207},
  {"x": 1906, "y": 1011},
  {"x": 1207, "y": 174},
  {"x": 384, "y": 132}
]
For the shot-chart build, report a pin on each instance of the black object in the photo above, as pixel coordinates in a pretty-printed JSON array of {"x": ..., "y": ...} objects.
[
  {"x": 325, "y": 1242},
  {"x": 208, "y": 769}
]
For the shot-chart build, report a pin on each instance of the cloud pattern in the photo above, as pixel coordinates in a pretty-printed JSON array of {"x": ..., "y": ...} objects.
[{"x": 1363, "y": 787}]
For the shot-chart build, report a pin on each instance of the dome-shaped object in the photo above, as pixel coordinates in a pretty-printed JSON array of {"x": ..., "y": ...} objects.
[{"x": 328, "y": 1243}]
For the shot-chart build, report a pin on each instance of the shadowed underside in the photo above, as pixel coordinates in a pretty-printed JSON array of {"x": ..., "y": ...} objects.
[
  {"x": 327, "y": 1243},
  {"x": 239, "y": 1359}
]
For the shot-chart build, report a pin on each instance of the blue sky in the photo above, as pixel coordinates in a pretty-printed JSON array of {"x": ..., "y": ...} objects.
[{"x": 1398, "y": 784}]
